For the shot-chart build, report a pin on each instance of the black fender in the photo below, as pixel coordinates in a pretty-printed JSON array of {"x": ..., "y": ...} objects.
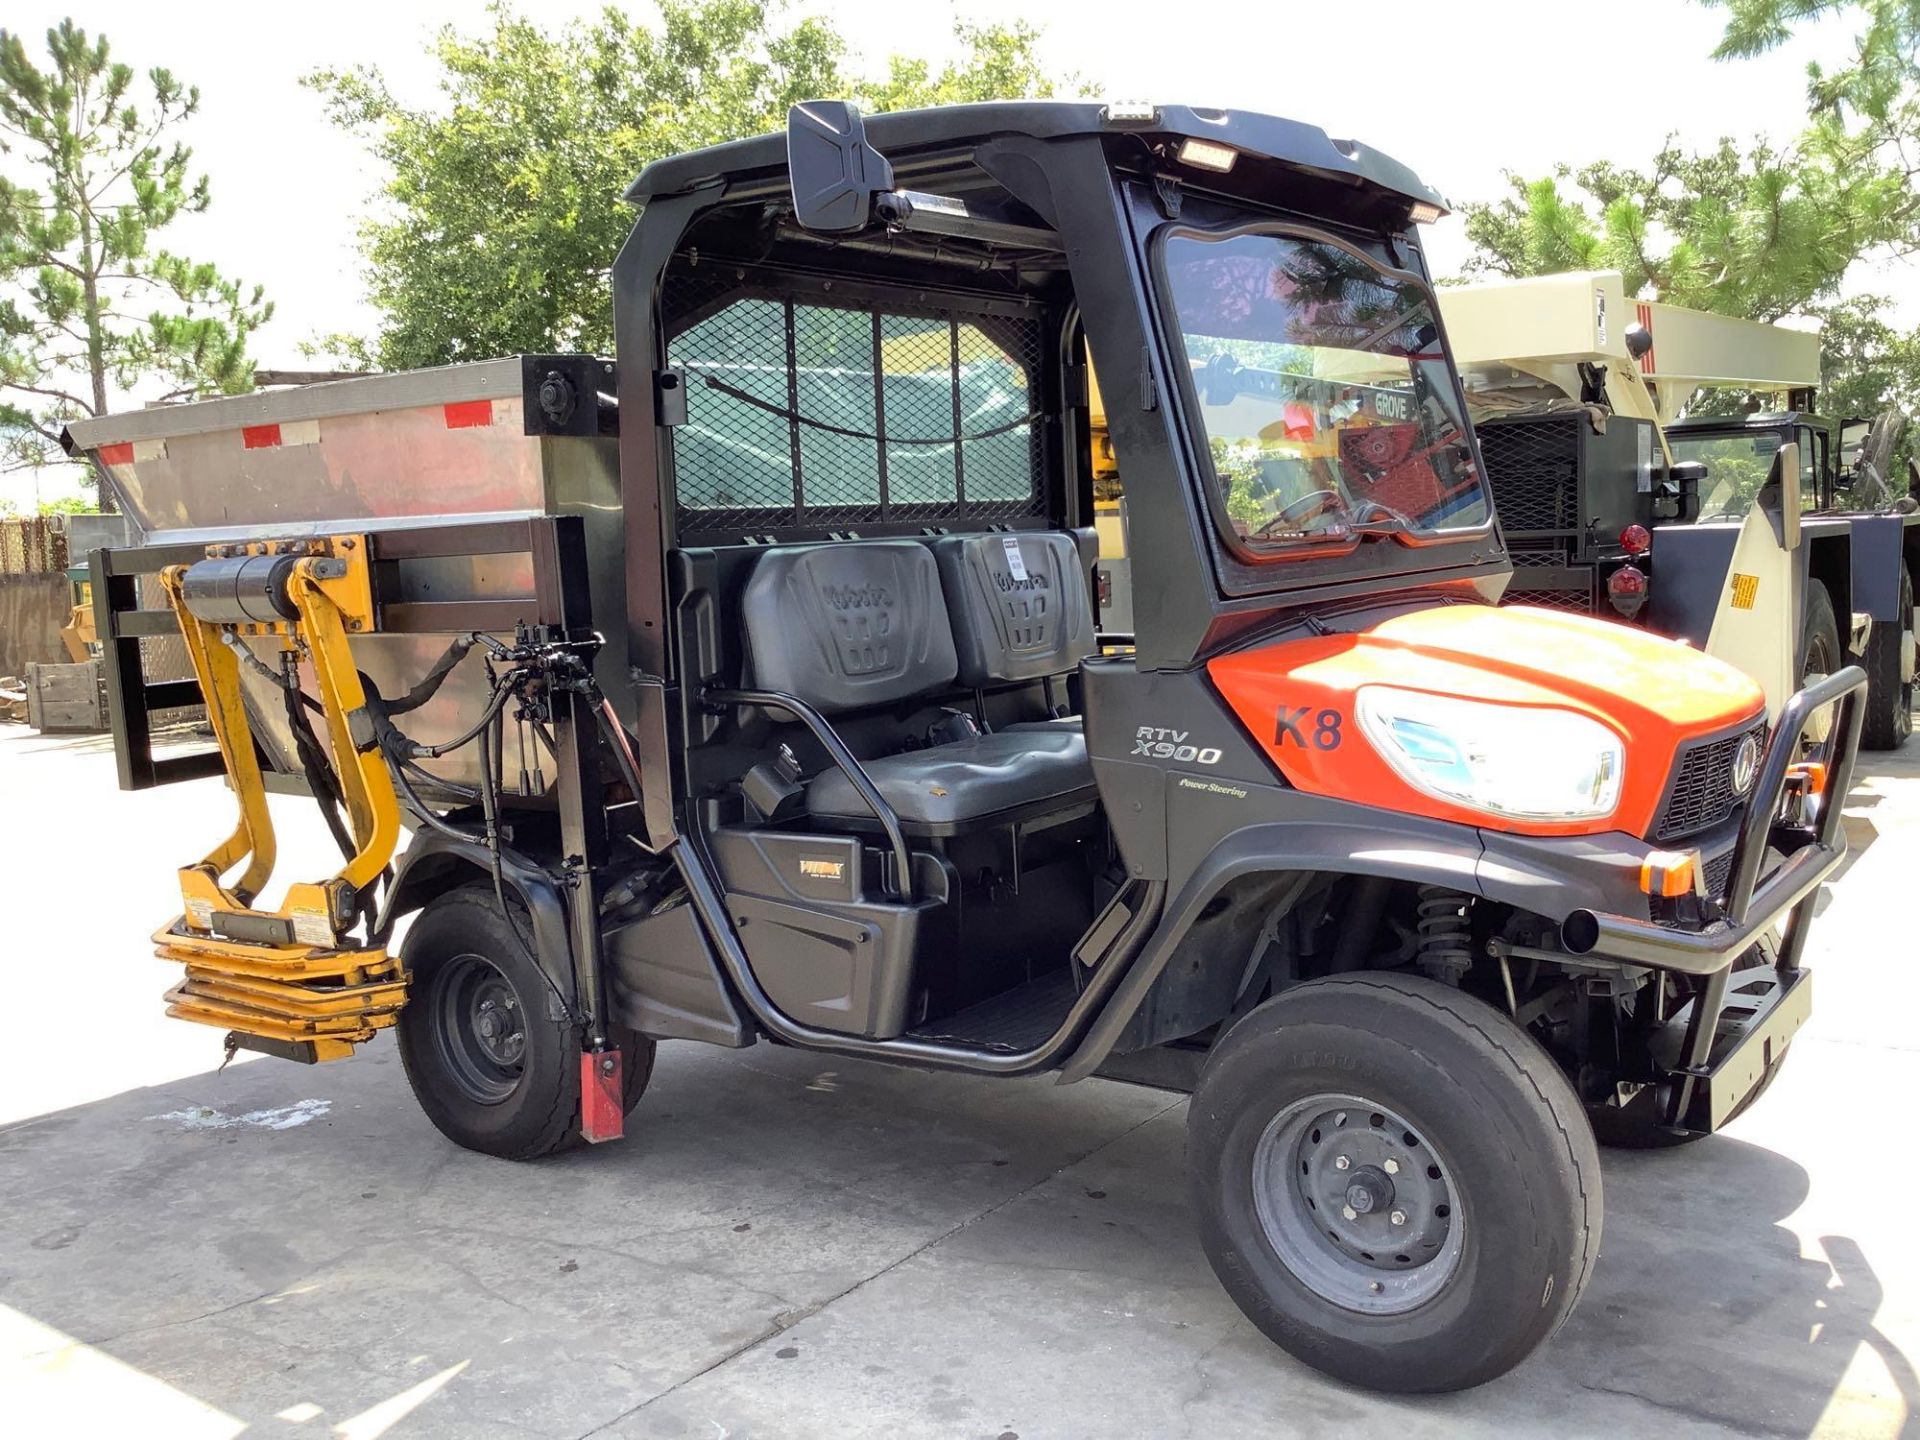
[
  {"x": 1878, "y": 557},
  {"x": 1832, "y": 561},
  {"x": 436, "y": 862},
  {"x": 1550, "y": 877}
]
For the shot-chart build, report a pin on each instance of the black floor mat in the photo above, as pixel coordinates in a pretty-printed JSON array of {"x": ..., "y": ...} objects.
[{"x": 1014, "y": 1020}]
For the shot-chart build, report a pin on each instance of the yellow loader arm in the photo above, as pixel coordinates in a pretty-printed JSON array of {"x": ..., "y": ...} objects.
[{"x": 292, "y": 977}]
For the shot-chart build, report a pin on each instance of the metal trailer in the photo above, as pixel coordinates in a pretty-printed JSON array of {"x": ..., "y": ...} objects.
[
  {"x": 746, "y": 688},
  {"x": 1614, "y": 506}
]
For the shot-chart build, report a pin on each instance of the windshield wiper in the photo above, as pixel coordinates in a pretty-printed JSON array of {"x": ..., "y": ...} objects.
[
  {"x": 1345, "y": 527},
  {"x": 1339, "y": 530},
  {"x": 1382, "y": 525}
]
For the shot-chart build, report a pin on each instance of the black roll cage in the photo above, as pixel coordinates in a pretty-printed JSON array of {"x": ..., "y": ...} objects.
[{"x": 1094, "y": 189}]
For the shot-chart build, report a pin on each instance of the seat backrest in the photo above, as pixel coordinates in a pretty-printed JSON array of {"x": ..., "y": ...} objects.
[
  {"x": 849, "y": 624},
  {"x": 1019, "y": 603}
]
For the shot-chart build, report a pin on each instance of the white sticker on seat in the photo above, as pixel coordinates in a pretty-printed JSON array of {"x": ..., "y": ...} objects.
[{"x": 1016, "y": 562}]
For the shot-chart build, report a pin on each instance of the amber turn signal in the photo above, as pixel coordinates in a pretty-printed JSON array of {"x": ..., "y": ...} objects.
[
  {"x": 1809, "y": 777},
  {"x": 1670, "y": 873}
]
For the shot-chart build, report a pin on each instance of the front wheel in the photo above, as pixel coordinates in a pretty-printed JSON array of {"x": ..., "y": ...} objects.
[
  {"x": 1820, "y": 652},
  {"x": 491, "y": 1057},
  {"x": 1394, "y": 1182}
]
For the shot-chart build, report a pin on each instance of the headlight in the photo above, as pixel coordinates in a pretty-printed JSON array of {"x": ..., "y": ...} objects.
[{"x": 1529, "y": 763}]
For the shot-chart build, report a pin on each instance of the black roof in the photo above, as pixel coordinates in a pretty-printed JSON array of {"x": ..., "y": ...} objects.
[
  {"x": 1288, "y": 141},
  {"x": 1752, "y": 420}
]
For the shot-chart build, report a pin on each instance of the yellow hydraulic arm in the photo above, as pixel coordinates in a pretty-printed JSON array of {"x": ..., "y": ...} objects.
[{"x": 292, "y": 981}]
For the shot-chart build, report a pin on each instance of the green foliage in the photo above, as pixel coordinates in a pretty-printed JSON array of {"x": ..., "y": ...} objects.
[
  {"x": 1865, "y": 115},
  {"x": 503, "y": 208},
  {"x": 65, "y": 505},
  {"x": 85, "y": 297},
  {"x": 1239, "y": 470},
  {"x": 1762, "y": 232}
]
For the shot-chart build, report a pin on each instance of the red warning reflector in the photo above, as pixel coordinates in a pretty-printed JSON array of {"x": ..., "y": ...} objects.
[
  {"x": 260, "y": 437},
  {"x": 602, "y": 1116},
  {"x": 468, "y": 414},
  {"x": 1627, "y": 580},
  {"x": 117, "y": 454}
]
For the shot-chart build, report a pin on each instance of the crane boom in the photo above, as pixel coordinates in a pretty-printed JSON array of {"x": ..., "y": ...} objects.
[{"x": 1548, "y": 326}]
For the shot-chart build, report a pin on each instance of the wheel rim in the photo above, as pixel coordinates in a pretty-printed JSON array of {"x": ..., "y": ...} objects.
[
  {"x": 479, "y": 1030},
  {"x": 1821, "y": 663},
  {"x": 1357, "y": 1204},
  {"x": 1903, "y": 717}
]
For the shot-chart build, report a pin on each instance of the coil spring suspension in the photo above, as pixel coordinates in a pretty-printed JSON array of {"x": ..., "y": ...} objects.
[{"x": 1445, "y": 951}]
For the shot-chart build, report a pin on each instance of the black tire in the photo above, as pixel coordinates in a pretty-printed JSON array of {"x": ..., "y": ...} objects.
[
  {"x": 1820, "y": 652},
  {"x": 1889, "y": 718},
  {"x": 1637, "y": 1124},
  {"x": 1507, "y": 1144},
  {"x": 516, "y": 1093}
]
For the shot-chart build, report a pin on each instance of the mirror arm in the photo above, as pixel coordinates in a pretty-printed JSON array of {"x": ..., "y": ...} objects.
[{"x": 923, "y": 214}]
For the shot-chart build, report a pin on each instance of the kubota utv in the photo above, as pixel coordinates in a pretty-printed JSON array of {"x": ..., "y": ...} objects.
[{"x": 746, "y": 687}]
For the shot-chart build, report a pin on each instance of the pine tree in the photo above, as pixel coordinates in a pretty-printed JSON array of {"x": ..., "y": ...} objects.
[{"x": 90, "y": 171}]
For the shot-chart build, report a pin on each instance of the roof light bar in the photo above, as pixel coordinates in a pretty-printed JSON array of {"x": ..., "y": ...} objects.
[
  {"x": 1424, "y": 212},
  {"x": 1129, "y": 114}
]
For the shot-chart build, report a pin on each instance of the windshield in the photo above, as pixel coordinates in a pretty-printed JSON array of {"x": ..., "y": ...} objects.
[
  {"x": 1738, "y": 464},
  {"x": 1328, "y": 406}
]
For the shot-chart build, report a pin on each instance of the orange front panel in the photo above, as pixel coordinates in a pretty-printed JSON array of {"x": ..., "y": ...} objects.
[{"x": 1297, "y": 698}]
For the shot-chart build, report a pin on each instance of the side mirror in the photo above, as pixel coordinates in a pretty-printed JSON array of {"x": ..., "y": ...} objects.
[
  {"x": 834, "y": 172},
  {"x": 1686, "y": 477},
  {"x": 1854, "y": 435},
  {"x": 1780, "y": 496}
]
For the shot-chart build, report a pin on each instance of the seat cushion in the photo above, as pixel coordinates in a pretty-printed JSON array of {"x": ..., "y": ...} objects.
[
  {"x": 950, "y": 785},
  {"x": 1020, "y": 605},
  {"x": 849, "y": 624}
]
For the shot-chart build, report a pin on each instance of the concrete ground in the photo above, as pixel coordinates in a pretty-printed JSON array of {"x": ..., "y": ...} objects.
[{"x": 794, "y": 1246}]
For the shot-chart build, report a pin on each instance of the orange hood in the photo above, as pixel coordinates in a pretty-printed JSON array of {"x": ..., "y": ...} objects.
[{"x": 1656, "y": 694}]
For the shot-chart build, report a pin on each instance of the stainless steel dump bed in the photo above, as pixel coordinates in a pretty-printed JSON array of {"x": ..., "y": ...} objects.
[
  {"x": 375, "y": 455},
  {"x": 393, "y": 449}
]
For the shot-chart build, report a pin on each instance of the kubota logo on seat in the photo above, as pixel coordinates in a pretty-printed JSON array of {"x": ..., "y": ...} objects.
[
  {"x": 857, "y": 597},
  {"x": 1029, "y": 581}
]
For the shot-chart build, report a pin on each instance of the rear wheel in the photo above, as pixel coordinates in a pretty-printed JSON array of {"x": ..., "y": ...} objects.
[
  {"x": 1889, "y": 665},
  {"x": 488, "y": 1051},
  {"x": 1394, "y": 1182}
]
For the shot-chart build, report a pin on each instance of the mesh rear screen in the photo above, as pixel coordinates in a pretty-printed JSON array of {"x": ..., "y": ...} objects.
[{"x": 801, "y": 414}]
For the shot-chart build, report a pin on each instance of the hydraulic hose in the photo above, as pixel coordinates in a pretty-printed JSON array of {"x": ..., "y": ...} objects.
[{"x": 436, "y": 675}]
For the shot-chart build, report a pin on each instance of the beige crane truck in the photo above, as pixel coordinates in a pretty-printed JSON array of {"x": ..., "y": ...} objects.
[
  {"x": 1614, "y": 504},
  {"x": 1616, "y": 500}
]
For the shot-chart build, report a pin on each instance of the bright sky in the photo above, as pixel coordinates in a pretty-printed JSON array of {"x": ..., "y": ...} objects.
[{"x": 1459, "y": 91}]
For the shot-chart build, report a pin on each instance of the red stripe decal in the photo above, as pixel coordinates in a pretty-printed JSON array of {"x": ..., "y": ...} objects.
[
  {"x": 117, "y": 454},
  {"x": 260, "y": 437},
  {"x": 1646, "y": 321},
  {"x": 468, "y": 414}
]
